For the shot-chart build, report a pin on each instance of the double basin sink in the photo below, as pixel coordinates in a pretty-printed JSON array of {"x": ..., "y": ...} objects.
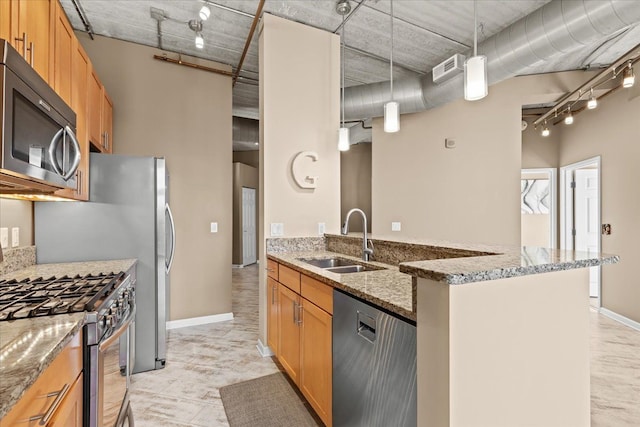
[{"x": 339, "y": 265}]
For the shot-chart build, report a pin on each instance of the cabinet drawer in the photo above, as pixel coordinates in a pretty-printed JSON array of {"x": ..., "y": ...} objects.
[
  {"x": 289, "y": 277},
  {"x": 272, "y": 269},
  {"x": 317, "y": 292},
  {"x": 58, "y": 378}
]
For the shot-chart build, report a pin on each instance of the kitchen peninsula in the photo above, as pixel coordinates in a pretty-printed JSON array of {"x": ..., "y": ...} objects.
[{"x": 502, "y": 332}]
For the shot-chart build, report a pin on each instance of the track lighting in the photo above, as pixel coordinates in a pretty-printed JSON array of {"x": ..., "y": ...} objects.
[
  {"x": 205, "y": 12},
  {"x": 628, "y": 78},
  {"x": 593, "y": 102},
  {"x": 545, "y": 130},
  {"x": 196, "y": 26},
  {"x": 568, "y": 118}
]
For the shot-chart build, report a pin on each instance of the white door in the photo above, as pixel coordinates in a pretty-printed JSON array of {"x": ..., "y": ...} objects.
[
  {"x": 586, "y": 219},
  {"x": 248, "y": 226}
]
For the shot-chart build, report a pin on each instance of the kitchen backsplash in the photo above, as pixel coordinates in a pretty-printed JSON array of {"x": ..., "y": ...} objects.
[
  {"x": 17, "y": 259},
  {"x": 295, "y": 244}
]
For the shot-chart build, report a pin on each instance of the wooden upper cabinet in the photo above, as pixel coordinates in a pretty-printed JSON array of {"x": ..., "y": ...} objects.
[
  {"x": 63, "y": 42},
  {"x": 31, "y": 24},
  {"x": 80, "y": 71},
  {"x": 5, "y": 20},
  {"x": 107, "y": 122},
  {"x": 94, "y": 105}
]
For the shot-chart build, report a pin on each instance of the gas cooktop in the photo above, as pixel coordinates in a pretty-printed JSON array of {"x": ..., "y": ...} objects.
[{"x": 44, "y": 297}]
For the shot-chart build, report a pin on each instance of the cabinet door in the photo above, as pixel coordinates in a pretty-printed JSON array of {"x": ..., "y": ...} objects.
[
  {"x": 5, "y": 20},
  {"x": 316, "y": 359},
  {"x": 289, "y": 332},
  {"x": 79, "y": 96},
  {"x": 69, "y": 413},
  {"x": 62, "y": 54},
  {"x": 107, "y": 122},
  {"x": 272, "y": 314},
  {"x": 94, "y": 108},
  {"x": 34, "y": 19}
]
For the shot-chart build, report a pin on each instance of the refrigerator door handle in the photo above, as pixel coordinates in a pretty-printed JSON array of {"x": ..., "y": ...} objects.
[{"x": 173, "y": 239}]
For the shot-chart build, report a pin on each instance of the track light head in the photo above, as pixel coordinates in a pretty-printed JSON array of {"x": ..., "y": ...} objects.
[
  {"x": 628, "y": 78},
  {"x": 204, "y": 13}
]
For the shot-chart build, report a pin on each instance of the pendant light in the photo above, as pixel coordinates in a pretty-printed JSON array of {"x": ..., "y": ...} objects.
[
  {"x": 475, "y": 68},
  {"x": 391, "y": 108},
  {"x": 628, "y": 78},
  {"x": 343, "y": 8}
]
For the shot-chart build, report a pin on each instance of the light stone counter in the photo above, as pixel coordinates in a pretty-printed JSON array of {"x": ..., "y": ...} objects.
[
  {"x": 387, "y": 288},
  {"x": 28, "y": 346}
]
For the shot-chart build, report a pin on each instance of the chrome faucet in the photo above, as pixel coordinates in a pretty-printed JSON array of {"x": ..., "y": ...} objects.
[{"x": 366, "y": 251}]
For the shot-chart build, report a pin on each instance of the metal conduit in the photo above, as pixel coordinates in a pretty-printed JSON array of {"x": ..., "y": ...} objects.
[{"x": 557, "y": 28}]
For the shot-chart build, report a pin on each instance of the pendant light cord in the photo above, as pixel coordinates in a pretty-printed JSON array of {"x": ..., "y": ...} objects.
[
  {"x": 475, "y": 28},
  {"x": 342, "y": 63},
  {"x": 391, "y": 55}
]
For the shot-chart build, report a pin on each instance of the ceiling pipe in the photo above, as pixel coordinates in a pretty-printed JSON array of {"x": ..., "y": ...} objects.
[{"x": 557, "y": 28}]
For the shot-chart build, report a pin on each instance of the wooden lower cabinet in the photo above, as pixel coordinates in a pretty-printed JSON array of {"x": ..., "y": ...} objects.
[
  {"x": 69, "y": 413},
  {"x": 316, "y": 359},
  {"x": 272, "y": 313},
  {"x": 299, "y": 331},
  {"x": 55, "y": 398},
  {"x": 289, "y": 331}
]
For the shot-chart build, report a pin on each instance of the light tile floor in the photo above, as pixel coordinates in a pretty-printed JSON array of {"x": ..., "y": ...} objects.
[{"x": 204, "y": 358}]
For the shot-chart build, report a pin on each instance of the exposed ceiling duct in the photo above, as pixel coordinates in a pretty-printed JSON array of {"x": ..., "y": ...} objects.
[
  {"x": 246, "y": 134},
  {"x": 557, "y": 28}
]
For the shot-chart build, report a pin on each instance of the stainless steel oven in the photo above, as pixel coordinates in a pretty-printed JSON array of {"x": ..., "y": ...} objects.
[{"x": 37, "y": 132}]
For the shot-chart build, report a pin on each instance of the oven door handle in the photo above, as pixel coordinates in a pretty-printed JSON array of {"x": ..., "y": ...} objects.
[{"x": 122, "y": 329}]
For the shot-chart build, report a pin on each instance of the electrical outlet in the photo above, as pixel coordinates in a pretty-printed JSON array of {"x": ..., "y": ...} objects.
[
  {"x": 321, "y": 226},
  {"x": 214, "y": 227},
  {"x": 277, "y": 229},
  {"x": 4, "y": 237},
  {"x": 15, "y": 237},
  {"x": 396, "y": 226}
]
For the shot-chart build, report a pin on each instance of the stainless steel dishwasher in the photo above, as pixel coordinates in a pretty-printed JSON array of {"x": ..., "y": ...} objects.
[{"x": 374, "y": 366}]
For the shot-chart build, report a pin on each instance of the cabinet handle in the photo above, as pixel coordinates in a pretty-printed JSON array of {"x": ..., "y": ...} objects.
[
  {"x": 106, "y": 142},
  {"x": 30, "y": 49},
  {"x": 299, "y": 314},
  {"x": 24, "y": 44},
  {"x": 273, "y": 295},
  {"x": 60, "y": 395},
  {"x": 295, "y": 320},
  {"x": 79, "y": 181}
]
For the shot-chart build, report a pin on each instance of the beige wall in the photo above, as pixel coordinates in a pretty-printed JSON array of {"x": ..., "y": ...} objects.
[
  {"x": 243, "y": 176},
  {"x": 17, "y": 213},
  {"x": 184, "y": 115},
  {"x": 291, "y": 123},
  {"x": 613, "y": 132},
  {"x": 469, "y": 193},
  {"x": 355, "y": 184},
  {"x": 538, "y": 151},
  {"x": 251, "y": 158}
]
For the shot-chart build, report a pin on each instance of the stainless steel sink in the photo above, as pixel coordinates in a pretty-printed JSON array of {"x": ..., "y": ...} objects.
[
  {"x": 327, "y": 262},
  {"x": 339, "y": 265}
]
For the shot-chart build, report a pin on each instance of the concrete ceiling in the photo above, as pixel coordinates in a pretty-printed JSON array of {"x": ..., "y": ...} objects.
[{"x": 426, "y": 33}]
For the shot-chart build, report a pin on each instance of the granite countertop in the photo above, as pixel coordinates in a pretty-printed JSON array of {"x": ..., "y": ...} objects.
[
  {"x": 70, "y": 269},
  {"x": 512, "y": 262},
  {"x": 27, "y": 348},
  {"x": 387, "y": 288}
]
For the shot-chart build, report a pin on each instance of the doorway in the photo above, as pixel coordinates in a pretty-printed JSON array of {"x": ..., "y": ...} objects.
[
  {"x": 249, "y": 255},
  {"x": 580, "y": 216},
  {"x": 538, "y": 211}
]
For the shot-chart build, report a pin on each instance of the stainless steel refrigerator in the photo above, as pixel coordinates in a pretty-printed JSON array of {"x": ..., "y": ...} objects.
[{"x": 128, "y": 216}]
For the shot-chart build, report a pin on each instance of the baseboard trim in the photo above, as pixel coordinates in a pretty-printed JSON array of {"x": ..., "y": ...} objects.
[
  {"x": 620, "y": 318},
  {"x": 195, "y": 321},
  {"x": 264, "y": 350},
  {"x": 237, "y": 266}
]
